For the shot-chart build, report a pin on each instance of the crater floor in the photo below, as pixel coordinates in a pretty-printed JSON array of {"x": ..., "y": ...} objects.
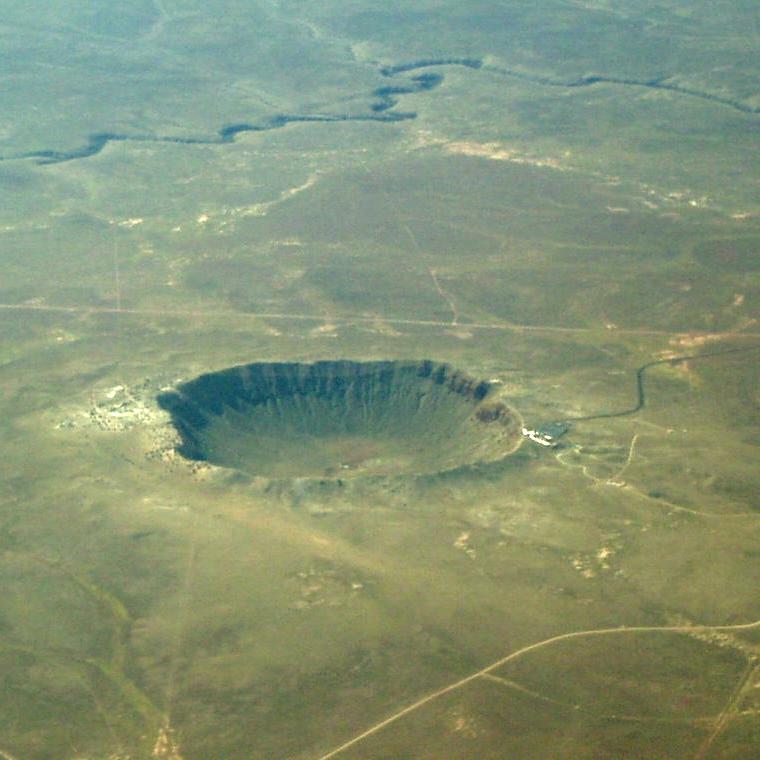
[{"x": 341, "y": 418}]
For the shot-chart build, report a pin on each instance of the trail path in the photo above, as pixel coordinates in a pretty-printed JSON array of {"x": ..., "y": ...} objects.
[
  {"x": 731, "y": 710},
  {"x": 365, "y": 319},
  {"x": 686, "y": 629},
  {"x": 445, "y": 296}
]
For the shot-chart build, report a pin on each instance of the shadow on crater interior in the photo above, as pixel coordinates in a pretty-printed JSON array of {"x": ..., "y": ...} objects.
[{"x": 341, "y": 419}]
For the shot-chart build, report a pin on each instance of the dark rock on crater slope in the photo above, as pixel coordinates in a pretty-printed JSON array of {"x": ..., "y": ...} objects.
[{"x": 341, "y": 418}]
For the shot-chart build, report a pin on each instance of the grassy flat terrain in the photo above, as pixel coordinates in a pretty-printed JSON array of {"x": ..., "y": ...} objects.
[{"x": 546, "y": 197}]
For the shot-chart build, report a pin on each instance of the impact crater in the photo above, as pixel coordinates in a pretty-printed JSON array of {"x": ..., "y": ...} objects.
[{"x": 341, "y": 419}]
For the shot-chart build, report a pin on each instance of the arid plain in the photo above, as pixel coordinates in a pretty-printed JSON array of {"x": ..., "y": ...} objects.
[{"x": 545, "y": 199}]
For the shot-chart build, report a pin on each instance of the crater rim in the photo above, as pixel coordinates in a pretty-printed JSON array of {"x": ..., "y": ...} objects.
[{"x": 336, "y": 419}]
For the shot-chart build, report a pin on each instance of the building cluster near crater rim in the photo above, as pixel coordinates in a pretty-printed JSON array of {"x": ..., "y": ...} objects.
[{"x": 341, "y": 418}]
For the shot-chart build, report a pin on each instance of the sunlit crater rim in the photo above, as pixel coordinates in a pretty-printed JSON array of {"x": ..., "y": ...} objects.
[{"x": 341, "y": 419}]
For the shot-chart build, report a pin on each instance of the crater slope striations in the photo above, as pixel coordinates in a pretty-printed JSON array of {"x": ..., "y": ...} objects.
[{"x": 341, "y": 418}]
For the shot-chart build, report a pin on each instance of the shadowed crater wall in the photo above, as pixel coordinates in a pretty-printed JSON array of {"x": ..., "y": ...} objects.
[{"x": 341, "y": 418}]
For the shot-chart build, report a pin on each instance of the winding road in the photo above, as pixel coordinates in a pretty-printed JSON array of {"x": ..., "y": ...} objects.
[
  {"x": 683, "y": 629},
  {"x": 641, "y": 396}
]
